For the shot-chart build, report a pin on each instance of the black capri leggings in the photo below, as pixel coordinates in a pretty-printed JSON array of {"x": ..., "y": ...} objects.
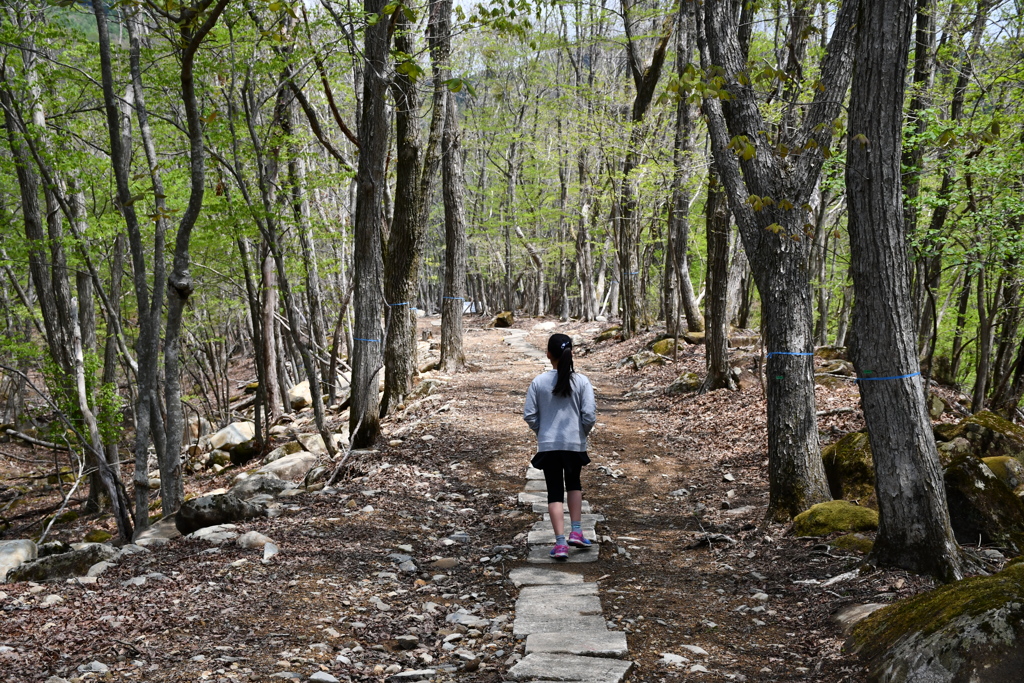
[{"x": 559, "y": 476}]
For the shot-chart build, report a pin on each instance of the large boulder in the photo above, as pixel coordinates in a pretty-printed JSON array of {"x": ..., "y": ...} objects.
[
  {"x": 64, "y": 565},
  {"x": 260, "y": 483},
  {"x": 299, "y": 396},
  {"x": 665, "y": 347},
  {"x": 237, "y": 436},
  {"x": 160, "y": 533},
  {"x": 991, "y": 435},
  {"x": 13, "y": 554},
  {"x": 1009, "y": 470},
  {"x": 644, "y": 358},
  {"x": 291, "y": 467},
  {"x": 207, "y": 511},
  {"x": 686, "y": 383},
  {"x": 504, "y": 319},
  {"x": 971, "y": 630},
  {"x": 850, "y": 469},
  {"x": 281, "y": 451},
  {"x": 610, "y": 333},
  {"x": 314, "y": 443},
  {"x": 834, "y": 516},
  {"x": 982, "y": 507}
]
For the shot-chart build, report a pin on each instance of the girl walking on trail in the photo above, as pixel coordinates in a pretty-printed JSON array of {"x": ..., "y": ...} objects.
[{"x": 560, "y": 408}]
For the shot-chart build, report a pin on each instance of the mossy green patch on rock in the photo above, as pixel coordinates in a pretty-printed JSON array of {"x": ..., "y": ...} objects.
[
  {"x": 98, "y": 536},
  {"x": 684, "y": 384},
  {"x": 953, "y": 633},
  {"x": 830, "y": 352},
  {"x": 850, "y": 469},
  {"x": 854, "y": 542},
  {"x": 1009, "y": 470},
  {"x": 990, "y": 435},
  {"x": 609, "y": 333},
  {"x": 989, "y": 420},
  {"x": 982, "y": 507},
  {"x": 834, "y": 516},
  {"x": 664, "y": 347}
]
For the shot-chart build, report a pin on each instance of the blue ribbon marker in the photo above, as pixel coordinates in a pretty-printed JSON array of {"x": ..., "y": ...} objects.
[
  {"x": 405, "y": 303},
  {"x": 453, "y": 298},
  {"x": 789, "y": 353},
  {"x": 366, "y": 340}
]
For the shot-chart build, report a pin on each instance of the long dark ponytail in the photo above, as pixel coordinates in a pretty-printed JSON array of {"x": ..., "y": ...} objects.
[{"x": 560, "y": 348}]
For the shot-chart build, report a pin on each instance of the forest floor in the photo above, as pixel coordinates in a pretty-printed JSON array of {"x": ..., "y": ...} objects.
[{"x": 443, "y": 495}]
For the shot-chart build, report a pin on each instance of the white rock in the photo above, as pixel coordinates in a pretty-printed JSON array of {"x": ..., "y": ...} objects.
[
  {"x": 762, "y": 597},
  {"x": 235, "y": 434},
  {"x": 323, "y": 677},
  {"x": 252, "y": 539},
  {"x": 291, "y": 467},
  {"x": 269, "y": 550},
  {"x": 698, "y": 669},
  {"x": 672, "y": 660},
  {"x": 299, "y": 396},
  {"x": 15, "y": 553},
  {"x": 695, "y": 649},
  {"x": 51, "y": 600},
  {"x": 94, "y": 667},
  {"x": 98, "y": 568}
]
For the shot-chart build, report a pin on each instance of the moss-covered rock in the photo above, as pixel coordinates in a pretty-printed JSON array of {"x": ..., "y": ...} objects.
[
  {"x": 823, "y": 379},
  {"x": 504, "y": 319},
  {"x": 850, "y": 469},
  {"x": 615, "y": 331},
  {"x": 946, "y": 431},
  {"x": 63, "y": 565},
  {"x": 839, "y": 367},
  {"x": 936, "y": 406},
  {"x": 684, "y": 384},
  {"x": 644, "y": 358},
  {"x": 971, "y": 630},
  {"x": 664, "y": 347},
  {"x": 1009, "y": 470},
  {"x": 695, "y": 338},
  {"x": 281, "y": 451},
  {"x": 950, "y": 450},
  {"x": 991, "y": 435},
  {"x": 98, "y": 536},
  {"x": 834, "y": 516},
  {"x": 212, "y": 510},
  {"x": 830, "y": 352},
  {"x": 982, "y": 507},
  {"x": 854, "y": 543}
]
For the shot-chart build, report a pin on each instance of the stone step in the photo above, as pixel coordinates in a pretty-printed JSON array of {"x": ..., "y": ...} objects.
[
  {"x": 535, "y": 576},
  {"x": 526, "y": 624},
  {"x": 534, "y": 485},
  {"x": 566, "y": 605},
  {"x": 539, "y": 555},
  {"x": 547, "y": 536},
  {"x": 597, "y": 644},
  {"x": 533, "y": 498},
  {"x": 586, "y": 518},
  {"x": 557, "y": 667},
  {"x": 545, "y": 525},
  {"x": 540, "y": 505},
  {"x": 534, "y": 473},
  {"x": 547, "y": 590}
]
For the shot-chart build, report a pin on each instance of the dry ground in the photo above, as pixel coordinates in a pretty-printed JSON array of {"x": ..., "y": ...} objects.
[{"x": 335, "y": 598}]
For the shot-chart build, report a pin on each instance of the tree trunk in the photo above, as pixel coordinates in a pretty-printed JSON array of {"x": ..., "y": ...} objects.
[
  {"x": 914, "y": 531},
  {"x": 268, "y": 327},
  {"x": 752, "y": 169},
  {"x": 364, "y": 419},
  {"x": 716, "y": 341},
  {"x": 453, "y": 358}
]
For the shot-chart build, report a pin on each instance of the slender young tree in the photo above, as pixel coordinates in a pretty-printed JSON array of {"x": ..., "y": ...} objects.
[
  {"x": 914, "y": 531},
  {"x": 716, "y": 340}
]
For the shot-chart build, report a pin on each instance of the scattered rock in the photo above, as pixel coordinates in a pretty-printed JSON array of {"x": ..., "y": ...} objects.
[
  {"x": 98, "y": 536},
  {"x": 854, "y": 542},
  {"x": 981, "y": 506},
  {"x": 299, "y": 396},
  {"x": 664, "y": 347},
  {"x": 94, "y": 667},
  {"x": 323, "y": 677},
  {"x": 644, "y": 358},
  {"x": 686, "y": 383},
  {"x": 314, "y": 443},
  {"x": 252, "y": 539},
  {"x": 269, "y": 550},
  {"x": 964, "y": 631},
  {"x": 830, "y": 352},
  {"x": 217, "y": 534},
  {"x": 408, "y": 642},
  {"x": 609, "y": 333},
  {"x": 236, "y": 436},
  {"x": 260, "y": 484},
  {"x": 444, "y": 563},
  {"x": 158, "y": 534},
  {"x": 281, "y": 451},
  {"x": 291, "y": 467},
  {"x": 695, "y": 649},
  {"x": 834, "y": 516},
  {"x": 670, "y": 659},
  {"x": 208, "y": 511},
  {"x": 936, "y": 406},
  {"x": 13, "y": 554},
  {"x": 63, "y": 566},
  {"x": 1009, "y": 470}
]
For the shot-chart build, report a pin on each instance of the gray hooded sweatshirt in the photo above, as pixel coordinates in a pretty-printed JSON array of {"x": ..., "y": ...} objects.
[{"x": 561, "y": 422}]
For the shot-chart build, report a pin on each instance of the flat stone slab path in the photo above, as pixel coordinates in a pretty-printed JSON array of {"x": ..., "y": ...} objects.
[{"x": 567, "y": 636}]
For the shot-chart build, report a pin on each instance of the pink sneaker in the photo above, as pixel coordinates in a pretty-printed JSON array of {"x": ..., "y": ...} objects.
[
  {"x": 559, "y": 552},
  {"x": 577, "y": 540}
]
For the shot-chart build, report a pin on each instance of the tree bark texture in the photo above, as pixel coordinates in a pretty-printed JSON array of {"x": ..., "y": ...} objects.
[
  {"x": 752, "y": 169},
  {"x": 453, "y": 358},
  {"x": 716, "y": 340},
  {"x": 914, "y": 531},
  {"x": 364, "y": 419}
]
